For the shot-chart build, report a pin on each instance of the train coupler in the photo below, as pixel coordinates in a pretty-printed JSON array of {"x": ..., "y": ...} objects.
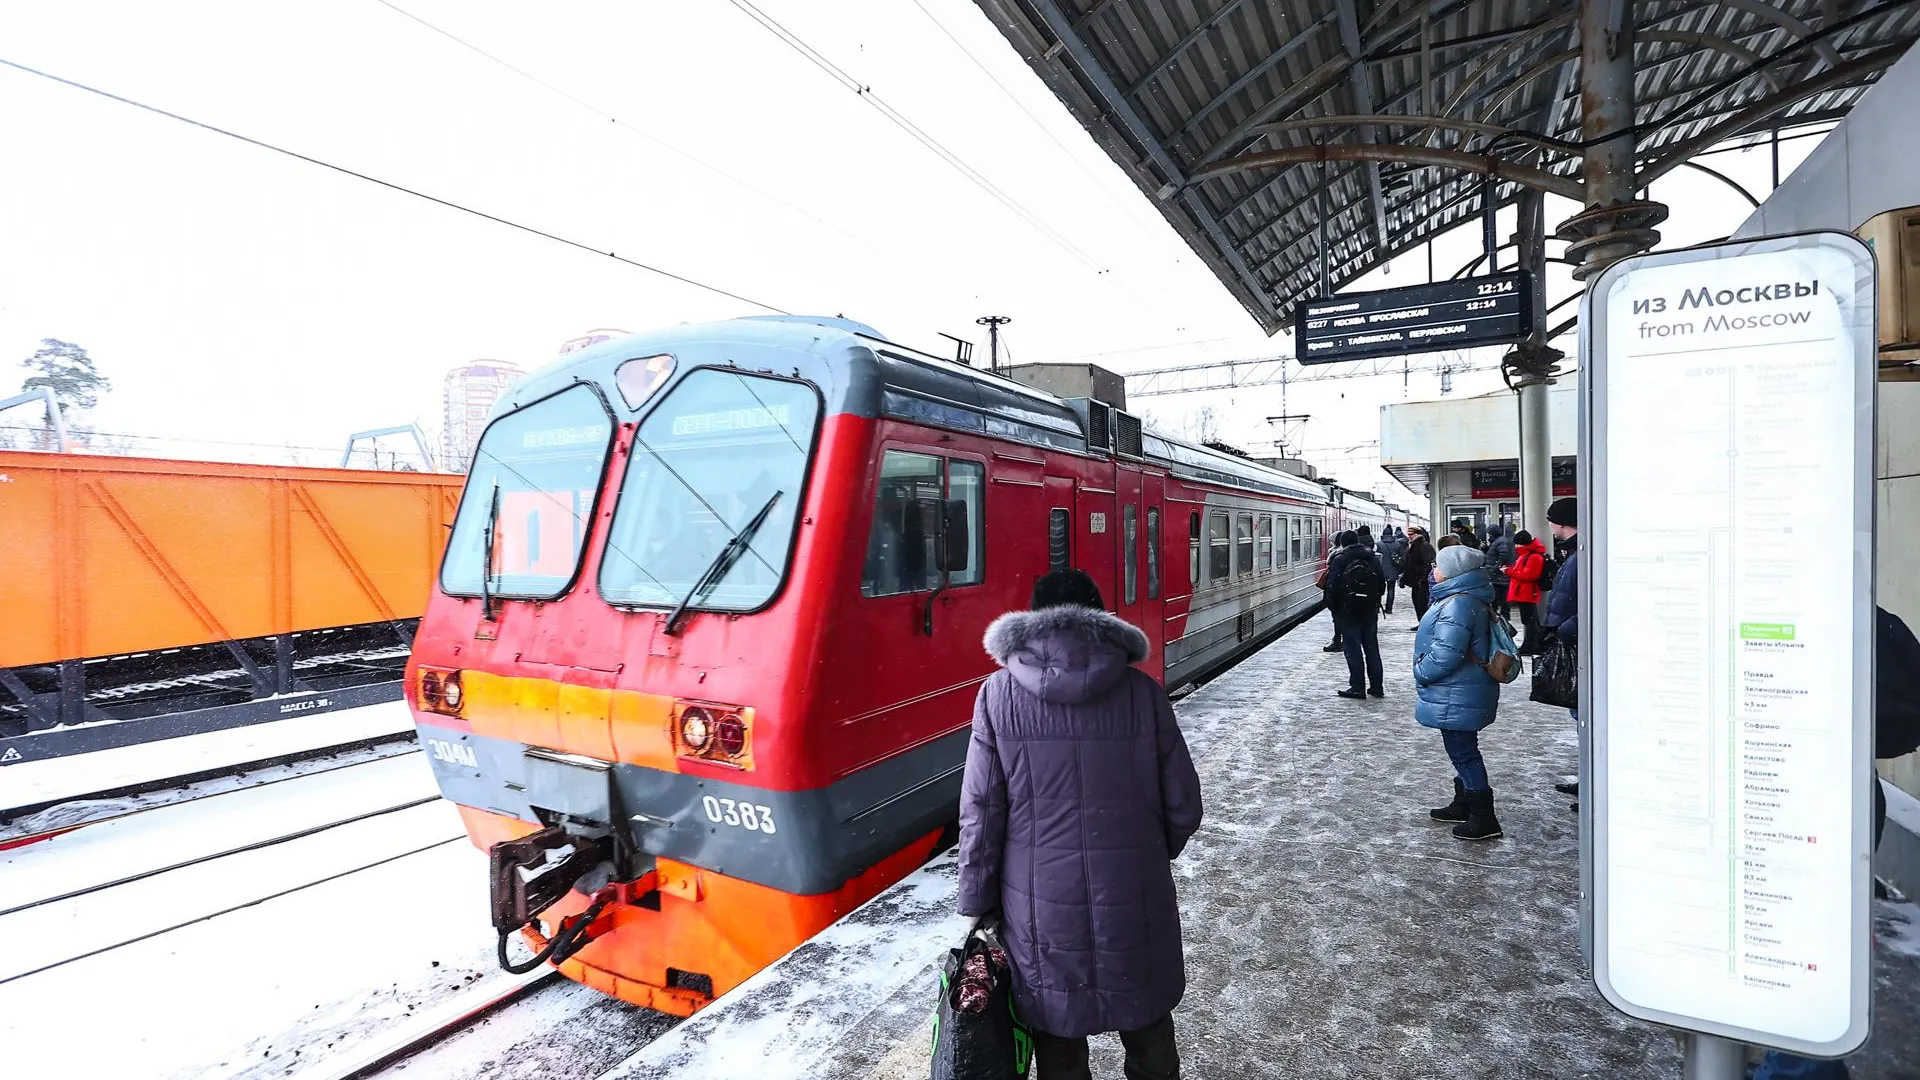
[
  {"x": 525, "y": 877},
  {"x": 529, "y": 875}
]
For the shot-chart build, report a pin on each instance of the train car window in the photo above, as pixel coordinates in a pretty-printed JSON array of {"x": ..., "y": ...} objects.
[
  {"x": 1153, "y": 553},
  {"x": 1264, "y": 557},
  {"x": 900, "y": 546},
  {"x": 1219, "y": 547},
  {"x": 1243, "y": 545},
  {"x": 723, "y": 456},
  {"x": 535, "y": 474},
  {"x": 967, "y": 483},
  {"x": 1059, "y": 539},
  {"x": 1294, "y": 555},
  {"x": 906, "y": 515},
  {"x": 1193, "y": 549},
  {"x": 1130, "y": 533}
]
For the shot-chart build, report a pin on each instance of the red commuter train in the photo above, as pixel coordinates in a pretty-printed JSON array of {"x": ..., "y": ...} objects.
[{"x": 702, "y": 658}]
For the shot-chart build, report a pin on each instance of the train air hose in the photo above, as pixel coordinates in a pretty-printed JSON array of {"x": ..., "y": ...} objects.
[{"x": 566, "y": 941}]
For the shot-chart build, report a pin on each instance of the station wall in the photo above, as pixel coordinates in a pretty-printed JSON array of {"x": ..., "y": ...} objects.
[{"x": 1862, "y": 169}]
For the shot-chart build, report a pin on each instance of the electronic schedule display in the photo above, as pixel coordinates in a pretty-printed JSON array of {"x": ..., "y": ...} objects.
[
  {"x": 1492, "y": 310},
  {"x": 1727, "y": 636}
]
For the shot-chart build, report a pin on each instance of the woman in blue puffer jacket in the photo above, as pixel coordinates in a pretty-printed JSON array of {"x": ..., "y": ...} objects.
[{"x": 1455, "y": 693}]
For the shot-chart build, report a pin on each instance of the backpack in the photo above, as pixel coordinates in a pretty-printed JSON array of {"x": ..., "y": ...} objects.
[
  {"x": 1504, "y": 665},
  {"x": 1361, "y": 583}
]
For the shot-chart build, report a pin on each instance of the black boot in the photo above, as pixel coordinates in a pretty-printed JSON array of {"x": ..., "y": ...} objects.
[
  {"x": 1480, "y": 823},
  {"x": 1455, "y": 810}
]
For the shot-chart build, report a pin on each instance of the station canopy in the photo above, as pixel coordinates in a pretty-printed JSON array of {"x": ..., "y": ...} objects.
[{"x": 1250, "y": 122}]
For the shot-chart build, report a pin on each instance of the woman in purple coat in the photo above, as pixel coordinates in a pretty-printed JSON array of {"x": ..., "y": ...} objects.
[{"x": 1079, "y": 791}]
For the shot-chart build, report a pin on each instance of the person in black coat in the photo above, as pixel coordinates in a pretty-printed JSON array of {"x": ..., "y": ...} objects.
[
  {"x": 1415, "y": 568},
  {"x": 1499, "y": 557},
  {"x": 1561, "y": 618},
  {"x": 1326, "y": 594},
  {"x": 1356, "y": 611},
  {"x": 1896, "y": 731},
  {"x": 1391, "y": 549}
]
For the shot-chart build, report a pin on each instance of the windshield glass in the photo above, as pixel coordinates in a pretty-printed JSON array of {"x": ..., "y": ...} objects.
[
  {"x": 545, "y": 463},
  {"x": 705, "y": 462}
]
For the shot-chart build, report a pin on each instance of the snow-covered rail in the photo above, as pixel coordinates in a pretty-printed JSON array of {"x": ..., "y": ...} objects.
[
  {"x": 126, "y": 881},
  {"x": 429, "y": 1027}
]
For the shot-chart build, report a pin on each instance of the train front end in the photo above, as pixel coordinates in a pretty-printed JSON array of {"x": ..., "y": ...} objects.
[{"x": 611, "y": 680}]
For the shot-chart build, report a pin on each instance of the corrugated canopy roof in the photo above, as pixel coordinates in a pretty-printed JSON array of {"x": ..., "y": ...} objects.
[{"x": 1248, "y": 121}]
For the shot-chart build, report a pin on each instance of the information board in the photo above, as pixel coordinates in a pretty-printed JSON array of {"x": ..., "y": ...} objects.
[
  {"x": 1727, "y": 460},
  {"x": 1492, "y": 310}
]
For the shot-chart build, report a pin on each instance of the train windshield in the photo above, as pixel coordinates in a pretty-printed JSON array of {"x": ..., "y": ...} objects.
[
  {"x": 723, "y": 451},
  {"x": 529, "y": 499}
]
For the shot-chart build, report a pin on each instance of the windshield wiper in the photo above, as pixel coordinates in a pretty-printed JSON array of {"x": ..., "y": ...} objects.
[
  {"x": 718, "y": 568},
  {"x": 486, "y": 554}
]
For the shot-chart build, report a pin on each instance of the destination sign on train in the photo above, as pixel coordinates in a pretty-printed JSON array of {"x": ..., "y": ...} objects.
[{"x": 1491, "y": 310}]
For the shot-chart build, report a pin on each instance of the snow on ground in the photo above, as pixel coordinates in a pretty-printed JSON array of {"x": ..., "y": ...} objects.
[
  {"x": 1896, "y": 928},
  {"x": 793, "y": 1020},
  {"x": 77, "y": 812},
  {"x": 319, "y": 940},
  {"x": 77, "y": 926},
  {"x": 31, "y": 783},
  {"x": 144, "y": 843},
  {"x": 1332, "y": 931},
  {"x": 265, "y": 989}
]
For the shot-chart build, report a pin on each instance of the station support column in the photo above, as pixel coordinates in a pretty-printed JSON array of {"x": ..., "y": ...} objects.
[
  {"x": 1615, "y": 224},
  {"x": 1530, "y": 367}
]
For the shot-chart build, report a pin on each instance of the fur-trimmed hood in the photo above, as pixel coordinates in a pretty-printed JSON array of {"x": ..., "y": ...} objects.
[{"x": 1065, "y": 654}]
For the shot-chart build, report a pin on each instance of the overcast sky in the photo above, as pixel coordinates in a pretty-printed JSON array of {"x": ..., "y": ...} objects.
[{"x": 237, "y": 295}]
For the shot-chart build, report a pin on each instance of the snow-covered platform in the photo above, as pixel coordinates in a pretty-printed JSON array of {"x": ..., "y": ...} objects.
[{"x": 1332, "y": 931}]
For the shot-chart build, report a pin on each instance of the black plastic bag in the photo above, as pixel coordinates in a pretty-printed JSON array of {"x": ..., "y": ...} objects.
[
  {"x": 1896, "y": 722},
  {"x": 1556, "y": 675},
  {"x": 990, "y": 1044}
]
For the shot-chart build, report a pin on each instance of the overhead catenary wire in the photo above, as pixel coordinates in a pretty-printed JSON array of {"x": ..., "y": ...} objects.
[
  {"x": 618, "y": 122},
  {"x": 1104, "y": 190},
  {"x": 390, "y": 185},
  {"x": 898, "y": 119}
]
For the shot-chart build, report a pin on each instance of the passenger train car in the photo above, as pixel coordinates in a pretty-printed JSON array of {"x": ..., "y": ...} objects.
[{"x": 701, "y": 662}]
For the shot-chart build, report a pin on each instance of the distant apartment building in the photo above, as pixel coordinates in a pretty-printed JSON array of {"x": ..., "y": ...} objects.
[{"x": 470, "y": 391}]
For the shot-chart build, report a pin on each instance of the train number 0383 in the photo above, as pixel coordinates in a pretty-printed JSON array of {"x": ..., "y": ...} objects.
[{"x": 742, "y": 815}]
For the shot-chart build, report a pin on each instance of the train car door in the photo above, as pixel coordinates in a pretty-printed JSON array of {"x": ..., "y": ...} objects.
[
  {"x": 1143, "y": 534},
  {"x": 1129, "y": 546},
  {"x": 1060, "y": 531},
  {"x": 1096, "y": 531}
]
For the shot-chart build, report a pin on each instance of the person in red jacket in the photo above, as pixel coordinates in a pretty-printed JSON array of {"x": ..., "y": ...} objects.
[{"x": 1523, "y": 586}]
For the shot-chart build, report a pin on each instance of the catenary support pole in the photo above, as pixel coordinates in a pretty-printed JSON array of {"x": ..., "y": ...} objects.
[{"x": 1709, "y": 1057}]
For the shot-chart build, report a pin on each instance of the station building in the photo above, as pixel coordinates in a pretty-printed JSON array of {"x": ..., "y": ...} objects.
[{"x": 1463, "y": 454}]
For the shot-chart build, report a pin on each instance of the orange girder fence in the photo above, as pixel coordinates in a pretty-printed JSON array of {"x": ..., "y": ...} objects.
[{"x": 102, "y": 556}]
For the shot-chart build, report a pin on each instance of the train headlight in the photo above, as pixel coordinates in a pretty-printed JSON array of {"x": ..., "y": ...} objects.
[
  {"x": 731, "y": 735},
  {"x": 696, "y": 728},
  {"x": 440, "y": 691},
  {"x": 713, "y": 733}
]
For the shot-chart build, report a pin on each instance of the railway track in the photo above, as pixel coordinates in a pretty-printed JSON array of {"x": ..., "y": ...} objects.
[
  {"x": 147, "y": 874},
  {"x": 33, "y": 822}
]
